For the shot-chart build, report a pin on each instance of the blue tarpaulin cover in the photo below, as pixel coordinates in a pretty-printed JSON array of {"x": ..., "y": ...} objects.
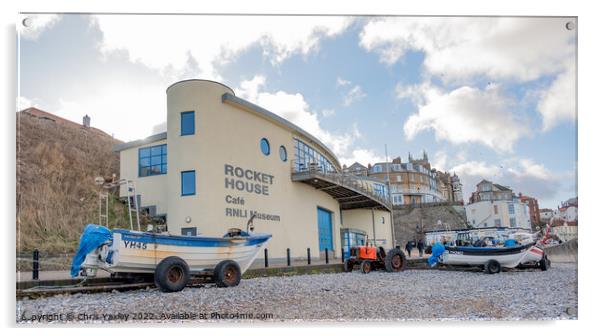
[
  {"x": 437, "y": 251},
  {"x": 510, "y": 243},
  {"x": 92, "y": 237}
]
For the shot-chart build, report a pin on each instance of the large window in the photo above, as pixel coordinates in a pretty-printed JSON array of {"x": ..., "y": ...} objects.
[
  {"x": 188, "y": 183},
  {"x": 152, "y": 160},
  {"x": 187, "y": 123},
  {"x": 306, "y": 157}
]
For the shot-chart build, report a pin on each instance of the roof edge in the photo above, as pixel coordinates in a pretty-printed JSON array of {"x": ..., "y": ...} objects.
[
  {"x": 199, "y": 80},
  {"x": 136, "y": 143},
  {"x": 227, "y": 97}
]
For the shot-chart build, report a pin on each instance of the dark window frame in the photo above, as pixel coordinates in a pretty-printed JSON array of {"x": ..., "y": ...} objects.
[
  {"x": 281, "y": 151},
  {"x": 267, "y": 143},
  {"x": 161, "y": 156},
  {"x": 182, "y": 173},
  {"x": 188, "y": 132}
]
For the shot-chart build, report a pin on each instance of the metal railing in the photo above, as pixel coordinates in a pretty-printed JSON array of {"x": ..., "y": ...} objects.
[{"x": 348, "y": 180}]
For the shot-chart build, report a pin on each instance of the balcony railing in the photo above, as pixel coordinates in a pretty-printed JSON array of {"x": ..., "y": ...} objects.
[{"x": 347, "y": 180}]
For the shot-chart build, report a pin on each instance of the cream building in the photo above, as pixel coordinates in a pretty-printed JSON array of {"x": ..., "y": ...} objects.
[
  {"x": 494, "y": 205},
  {"x": 224, "y": 159}
]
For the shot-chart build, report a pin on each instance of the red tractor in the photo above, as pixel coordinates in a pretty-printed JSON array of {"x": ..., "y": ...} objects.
[{"x": 375, "y": 258}]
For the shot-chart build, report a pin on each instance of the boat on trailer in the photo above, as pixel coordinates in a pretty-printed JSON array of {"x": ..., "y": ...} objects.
[
  {"x": 170, "y": 259},
  {"x": 491, "y": 258}
]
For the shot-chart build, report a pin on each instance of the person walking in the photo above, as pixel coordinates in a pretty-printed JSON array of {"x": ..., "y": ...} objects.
[
  {"x": 409, "y": 248},
  {"x": 420, "y": 248}
]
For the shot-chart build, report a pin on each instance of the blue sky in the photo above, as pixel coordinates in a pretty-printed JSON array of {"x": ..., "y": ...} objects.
[{"x": 485, "y": 97}]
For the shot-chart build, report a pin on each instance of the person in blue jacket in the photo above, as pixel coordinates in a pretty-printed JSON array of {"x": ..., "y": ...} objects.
[{"x": 409, "y": 248}]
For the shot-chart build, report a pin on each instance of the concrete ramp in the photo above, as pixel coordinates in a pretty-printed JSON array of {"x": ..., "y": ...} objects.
[{"x": 565, "y": 252}]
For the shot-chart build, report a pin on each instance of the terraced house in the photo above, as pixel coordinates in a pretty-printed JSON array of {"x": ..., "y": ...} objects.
[{"x": 413, "y": 182}]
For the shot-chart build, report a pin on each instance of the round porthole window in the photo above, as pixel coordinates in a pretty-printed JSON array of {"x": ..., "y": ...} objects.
[
  {"x": 283, "y": 156},
  {"x": 265, "y": 146}
]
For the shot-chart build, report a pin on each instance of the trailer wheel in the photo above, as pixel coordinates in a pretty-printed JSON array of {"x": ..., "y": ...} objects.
[
  {"x": 227, "y": 274},
  {"x": 348, "y": 265},
  {"x": 395, "y": 261},
  {"x": 492, "y": 267},
  {"x": 172, "y": 274},
  {"x": 366, "y": 266},
  {"x": 544, "y": 263}
]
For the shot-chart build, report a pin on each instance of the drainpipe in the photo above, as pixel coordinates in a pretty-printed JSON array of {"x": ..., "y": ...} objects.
[
  {"x": 390, "y": 198},
  {"x": 373, "y": 229}
]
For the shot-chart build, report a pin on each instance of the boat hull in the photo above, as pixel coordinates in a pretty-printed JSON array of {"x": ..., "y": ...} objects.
[
  {"x": 507, "y": 257},
  {"x": 141, "y": 252}
]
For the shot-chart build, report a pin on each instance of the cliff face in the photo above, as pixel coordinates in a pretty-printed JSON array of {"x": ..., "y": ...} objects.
[
  {"x": 411, "y": 222},
  {"x": 57, "y": 162}
]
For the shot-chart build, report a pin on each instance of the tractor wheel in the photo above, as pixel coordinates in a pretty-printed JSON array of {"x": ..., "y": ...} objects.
[
  {"x": 366, "y": 266},
  {"x": 492, "y": 266},
  {"x": 227, "y": 274},
  {"x": 348, "y": 265},
  {"x": 395, "y": 261},
  {"x": 172, "y": 274},
  {"x": 544, "y": 263}
]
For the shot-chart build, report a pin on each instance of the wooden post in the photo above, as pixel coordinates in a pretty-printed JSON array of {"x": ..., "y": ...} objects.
[
  {"x": 288, "y": 256},
  {"x": 36, "y": 265},
  {"x": 265, "y": 255}
]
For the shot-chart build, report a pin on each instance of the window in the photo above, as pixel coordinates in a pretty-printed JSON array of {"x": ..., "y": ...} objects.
[
  {"x": 380, "y": 189},
  {"x": 152, "y": 160},
  {"x": 283, "y": 154},
  {"x": 306, "y": 155},
  {"x": 377, "y": 169},
  {"x": 187, "y": 123},
  {"x": 264, "y": 144},
  {"x": 189, "y": 231},
  {"x": 511, "y": 208},
  {"x": 498, "y": 222},
  {"x": 495, "y": 209},
  {"x": 398, "y": 178},
  {"x": 188, "y": 183},
  {"x": 512, "y": 222}
]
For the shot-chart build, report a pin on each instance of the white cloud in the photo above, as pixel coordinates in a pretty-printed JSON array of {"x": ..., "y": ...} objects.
[
  {"x": 521, "y": 175},
  {"x": 558, "y": 102},
  {"x": 119, "y": 109},
  {"x": 31, "y": 26},
  {"x": 363, "y": 156},
  {"x": 440, "y": 161},
  {"x": 459, "y": 48},
  {"x": 353, "y": 95},
  {"x": 467, "y": 115},
  {"x": 165, "y": 41},
  {"x": 327, "y": 113},
  {"x": 294, "y": 108},
  {"x": 24, "y": 102},
  {"x": 342, "y": 82}
]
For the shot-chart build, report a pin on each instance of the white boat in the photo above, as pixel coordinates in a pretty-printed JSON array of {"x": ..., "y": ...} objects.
[
  {"x": 493, "y": 259},
  {"x": 171, "y": 259},
  {"x": 134, "y": 252}
]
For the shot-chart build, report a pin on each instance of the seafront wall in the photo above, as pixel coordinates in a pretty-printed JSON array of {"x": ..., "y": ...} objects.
[{"x": 565, "y": 252}]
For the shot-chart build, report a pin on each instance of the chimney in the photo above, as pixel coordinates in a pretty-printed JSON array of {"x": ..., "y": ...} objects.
[{"x": 86, "y": 121}]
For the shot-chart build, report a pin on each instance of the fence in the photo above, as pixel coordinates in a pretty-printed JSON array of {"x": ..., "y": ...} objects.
[{"x": 37, "y": 262}]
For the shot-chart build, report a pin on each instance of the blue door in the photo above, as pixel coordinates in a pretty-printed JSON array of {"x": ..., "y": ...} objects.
[{"x": 325, "y": 229}]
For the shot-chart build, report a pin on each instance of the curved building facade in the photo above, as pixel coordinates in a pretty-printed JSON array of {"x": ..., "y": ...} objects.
[{"x": 224, "y": 159}]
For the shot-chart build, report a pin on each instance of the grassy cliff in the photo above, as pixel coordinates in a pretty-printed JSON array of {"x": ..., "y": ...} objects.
[{"x": 57, "y": 162}]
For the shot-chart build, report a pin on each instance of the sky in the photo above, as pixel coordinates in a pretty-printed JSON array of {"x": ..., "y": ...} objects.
[{"x": 486, "y": 98}]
